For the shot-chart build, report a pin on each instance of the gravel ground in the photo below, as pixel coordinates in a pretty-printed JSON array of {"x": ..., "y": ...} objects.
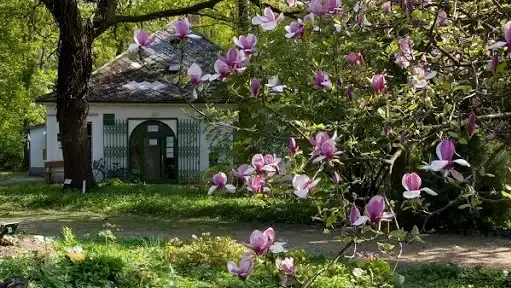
[{"x": 471, "y": 250}]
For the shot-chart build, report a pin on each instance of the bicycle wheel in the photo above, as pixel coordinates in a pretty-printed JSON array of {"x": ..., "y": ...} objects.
[
  {"x": 99, "y": 175},
  {"x": 125, "y": 175}
]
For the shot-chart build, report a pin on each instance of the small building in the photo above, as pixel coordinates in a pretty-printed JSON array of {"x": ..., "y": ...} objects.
[
  {"x": 37, "y": 149},
  {"x": 139, "y": 117}
]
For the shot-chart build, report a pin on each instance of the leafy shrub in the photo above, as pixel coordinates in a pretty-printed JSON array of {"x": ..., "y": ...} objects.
[{"x": 204, "y": 251}]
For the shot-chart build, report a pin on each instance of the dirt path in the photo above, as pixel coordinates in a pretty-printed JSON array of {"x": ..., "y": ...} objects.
[{"x": 457, "y": 249}]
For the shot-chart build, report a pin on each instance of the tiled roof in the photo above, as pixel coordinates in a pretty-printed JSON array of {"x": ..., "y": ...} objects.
[{"x": 151, "y": 76}]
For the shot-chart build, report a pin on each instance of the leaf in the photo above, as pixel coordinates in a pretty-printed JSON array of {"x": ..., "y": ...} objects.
[
  {"x": 463, "y": 141},
  {"x": 507, "y": 187},
  {"x": 398, "y": 234},
  {"x": 381, "y": 112},
  {"x": 415, "y": 231},
  {"x": 399, "y": 279},
  {"x": 464, "y": 206},
  {"x": 505, "y": 195}
]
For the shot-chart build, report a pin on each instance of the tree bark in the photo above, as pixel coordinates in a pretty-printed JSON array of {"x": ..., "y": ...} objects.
[{"x": 75, "y": 68}]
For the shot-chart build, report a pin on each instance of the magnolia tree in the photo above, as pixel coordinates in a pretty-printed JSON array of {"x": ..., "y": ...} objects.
[{"x": 364, "y": 85}]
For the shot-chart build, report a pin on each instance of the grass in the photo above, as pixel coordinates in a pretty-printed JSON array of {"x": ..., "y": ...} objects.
[
  {"x": 165, "y": 201},
  {"x": 451, "y": 276},
  {"x": 201, "y": 262}
]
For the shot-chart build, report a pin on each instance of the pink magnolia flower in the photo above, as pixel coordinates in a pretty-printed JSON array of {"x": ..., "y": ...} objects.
[
  {"x": 335, "y": 178},
  {"x": 387, "y": 7},
  {"x": 494, "y": 63},
  {"x": 386, "y": 129},
  {"x": 445, "y": 152},
  {"x": 268, "y": 22},
  {"x": 220, "y": 182},
  {"x": 295, "y": 29},
  {"x": 303, "y": 184},
  {"x": 412, "y": 184},
  {"x": 292, "y": 146},
  {"x": 287, "y": 265},
  {"x": 471, "y": 124},
  {"x": 354, "y": 215},
  {"x": 374, "y": 212},
  {"x": 507, "y": 36},
  {"x": 245, "y": 268},
  {"x": 324, "y": 147},
  {"x": 350, "y": 92},
  {"x": 319, "y": 7},
  {"x": 405, "y": 46},
  {"x": 195, "y": 74},
  {"x": 442, "y": 19},
  {"x": 182, "y": 29},
  {"x": 378, "y": 83},
  {"x": 321, "y": 80},
  {"x": 258, "y": 163},
  {"x": 256, "y": 184},
  {"x": 142, "y": 39},
  {"x": 260, "y": 242},
  {"x": 222, "y": 69},
  {"x": 235, "y": 59},
  {"x": 354, "y": 58},
  {"x": 292, "y": 3},
  {"x": 243, "y": 171},
  {"x": 361, "y": 19},
  {"x": 272, "y": 163},
  {"x": 274, "y": 85},
  {"x": 255, "y": 87},
  {"x": 420, "y": 78},
  {"x": 246, "y": 43},
  {"x": 402, "y": 61}
]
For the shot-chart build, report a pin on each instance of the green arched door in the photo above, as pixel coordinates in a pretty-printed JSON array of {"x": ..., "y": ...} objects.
[{"x": 153, "y": 152}]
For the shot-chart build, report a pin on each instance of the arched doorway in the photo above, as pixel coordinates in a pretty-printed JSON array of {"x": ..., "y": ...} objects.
[{"x": 153, "y": 152}]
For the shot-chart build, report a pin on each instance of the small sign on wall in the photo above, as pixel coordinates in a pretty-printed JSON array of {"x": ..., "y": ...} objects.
[
  {"x": 152, "y": 128},
  {"x": 153, "y": 142}
]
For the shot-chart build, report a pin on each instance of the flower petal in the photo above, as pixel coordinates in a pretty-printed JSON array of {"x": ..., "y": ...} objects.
[
  {"x": 461, "y": 162},
  {"x": 412, "y": 194},
  {"x": 429, "y": 191},
  {"x": 496, "y": 45},
  {"x": 230, "y": 188},
  {"x": 212, "y": 189},
  {"x": 438, "y": 165},
  {"x": 456, "y": 175},
  {"x": 301, "y": 193},
  {"x": 361, "y": 220}
]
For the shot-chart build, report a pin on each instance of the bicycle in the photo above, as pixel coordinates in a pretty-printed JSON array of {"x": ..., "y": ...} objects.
[{"x": 100, "y": 173}]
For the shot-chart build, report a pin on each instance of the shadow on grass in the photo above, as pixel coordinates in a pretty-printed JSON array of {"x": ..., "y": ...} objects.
[{"x": 165, "y": 201}]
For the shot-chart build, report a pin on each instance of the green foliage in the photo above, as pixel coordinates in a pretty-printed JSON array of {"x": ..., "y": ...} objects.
[
  {"x": 205, "y": 251},
  {"x": 201, "y": 262},
  {"x": 452, "y": 276}
]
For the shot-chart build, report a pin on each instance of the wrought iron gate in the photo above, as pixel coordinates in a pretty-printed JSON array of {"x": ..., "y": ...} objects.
[
  {"x": 115, "y": 144},
  {"x": 189, "y": 136}
]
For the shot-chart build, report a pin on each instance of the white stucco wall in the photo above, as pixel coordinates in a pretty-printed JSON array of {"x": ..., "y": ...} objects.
[
  {"x": 37, "y": 145},
  {"x": 134, "y": 113}
]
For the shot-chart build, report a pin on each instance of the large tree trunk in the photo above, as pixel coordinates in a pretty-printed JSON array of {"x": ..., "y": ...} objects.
[{"x": 75, "y": 68}]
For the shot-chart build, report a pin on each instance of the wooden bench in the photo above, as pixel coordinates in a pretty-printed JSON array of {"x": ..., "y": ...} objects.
[
  {"x": 8, "y": 228},
  {"x": 49, "y": 170}
]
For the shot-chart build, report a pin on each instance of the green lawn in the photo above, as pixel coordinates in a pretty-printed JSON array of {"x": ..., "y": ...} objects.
[{"x": 165, "y": 201}]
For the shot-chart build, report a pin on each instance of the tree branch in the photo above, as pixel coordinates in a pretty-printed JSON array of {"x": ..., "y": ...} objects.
[
  {"x": 165, "y": 13},
  {"x": 291, "y": 14}
]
